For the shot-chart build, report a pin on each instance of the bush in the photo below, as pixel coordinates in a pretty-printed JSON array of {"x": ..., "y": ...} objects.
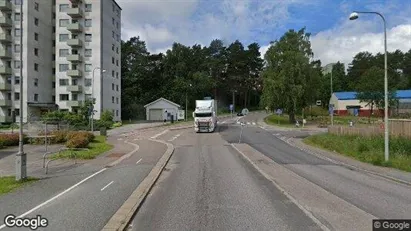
[
  {"x": 59, "y": 136},
  {"x": 87, "y": 135},
  {"x": 9, "y": 139},
  {"x": 103, "y": 124},
  {"x": 78, "y": 141},
  {"x": 117, "y": 124}
]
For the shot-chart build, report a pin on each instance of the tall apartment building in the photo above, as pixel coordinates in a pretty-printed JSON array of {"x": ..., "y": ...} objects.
[{"x": 64, "y": 43}]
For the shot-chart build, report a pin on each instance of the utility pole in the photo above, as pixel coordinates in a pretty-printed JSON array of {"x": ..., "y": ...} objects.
[
  {"x": 332, "y": 106},
  {"x": 21, "y": 157}
]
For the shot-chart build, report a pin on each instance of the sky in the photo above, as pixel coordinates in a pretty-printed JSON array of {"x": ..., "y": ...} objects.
[{"x": 334, "y": 37}]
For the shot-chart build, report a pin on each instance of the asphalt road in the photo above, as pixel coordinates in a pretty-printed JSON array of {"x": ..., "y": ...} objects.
[
  {"x": 90, "y": 205},
  {"x": 374, "y": 195},
  {"x": 208, "y": 186}
]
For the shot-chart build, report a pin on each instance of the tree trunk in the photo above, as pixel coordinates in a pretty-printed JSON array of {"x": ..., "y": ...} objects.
[
  {"x": 369, "y": 117},
  {"x": 291, "y": 114}
]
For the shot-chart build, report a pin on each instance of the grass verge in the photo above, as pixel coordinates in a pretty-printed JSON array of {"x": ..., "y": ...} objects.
[
  {"x": 366, "y": 149},
  {"x": 276, "y": 120},
  {"x": 97, "y": 147},
  {"x": 9, "y": 183}
]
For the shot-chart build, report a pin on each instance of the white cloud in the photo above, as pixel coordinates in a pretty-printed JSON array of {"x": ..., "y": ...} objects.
[{"x": 342, "y": 44}]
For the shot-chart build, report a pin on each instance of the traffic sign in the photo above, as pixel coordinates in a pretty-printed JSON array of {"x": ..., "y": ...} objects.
[{"x": 231, "y": 107}]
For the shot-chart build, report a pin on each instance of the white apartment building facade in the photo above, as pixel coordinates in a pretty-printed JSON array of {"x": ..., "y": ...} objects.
[{"x": 63, "y": 42}]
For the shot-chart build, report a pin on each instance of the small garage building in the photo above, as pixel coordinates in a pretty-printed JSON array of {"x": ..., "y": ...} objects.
[{"x": 161, "y": 109}]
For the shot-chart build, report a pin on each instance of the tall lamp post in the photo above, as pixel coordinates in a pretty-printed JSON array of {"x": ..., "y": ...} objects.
[
  {"x": 331, "y": 83},
  {"x": 21, "y": 157},
  {"x": 187, "y": 103},
  {"x": 354, "y": 16},
  {"x": 93, "y": 100}
]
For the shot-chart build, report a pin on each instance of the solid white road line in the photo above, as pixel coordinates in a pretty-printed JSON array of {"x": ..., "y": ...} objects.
[
  {"x": 106, "y": 186},
  {"x": 57, "y": 196},
  {"x": 159, "y": 134},
  {"x": 139, "y": 161}
]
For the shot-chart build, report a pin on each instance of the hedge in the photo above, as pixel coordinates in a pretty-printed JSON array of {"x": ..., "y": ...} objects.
[
  {"x": 9, "y": 139},
  {"x": 63, "y": 136}
]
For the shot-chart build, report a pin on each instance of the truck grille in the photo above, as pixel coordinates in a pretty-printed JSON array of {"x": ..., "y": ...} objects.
[{"x": 203, "y": 124}]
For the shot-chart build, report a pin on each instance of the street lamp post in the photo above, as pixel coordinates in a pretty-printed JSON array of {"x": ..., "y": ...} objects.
[
  {"x": 354, "y": 16},
  {"x": 21, "y": 157},
  {"x": 93, "y": 100},
  {"x": 186, "y": 115},
  {"x": 331, "y": 83}
]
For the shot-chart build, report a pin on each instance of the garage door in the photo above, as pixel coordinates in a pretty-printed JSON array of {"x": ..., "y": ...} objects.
[{"x": 155, "y": 114}]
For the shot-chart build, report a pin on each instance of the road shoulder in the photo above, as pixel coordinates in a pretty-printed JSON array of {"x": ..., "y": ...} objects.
[{"x": 326, "y": 209}]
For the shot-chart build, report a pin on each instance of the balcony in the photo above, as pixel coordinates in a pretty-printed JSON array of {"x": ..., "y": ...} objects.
[
  {"x": 74, "y": 88},
  {"x": 5, "y": 53},
  {"x": 75, "y": 27},
  {"x": 74, "y": 73},
  {"x": 5, "y": 87},
  {"x": 74, "y": 42},
  {"x": 5, "y": 103},
  {"x": 75, "y": 12},
  {"x": 5, "y": 71},
  {"x": 5, "y": 119},
  {"x": 74, "y": 58},
  {"x": 6, "y": 22},
  {"x": 74, "y": 103},
  {"x": 5, "y": 38},
  {"x": 5, "y": 5}
]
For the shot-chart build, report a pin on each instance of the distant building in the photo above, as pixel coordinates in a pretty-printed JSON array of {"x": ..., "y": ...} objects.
[
  {"x": 346, "y": 103},
  {"x": 161, "y": 109}
]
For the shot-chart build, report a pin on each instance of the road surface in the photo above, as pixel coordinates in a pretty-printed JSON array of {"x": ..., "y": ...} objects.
[{"x": 208, "y": 186}]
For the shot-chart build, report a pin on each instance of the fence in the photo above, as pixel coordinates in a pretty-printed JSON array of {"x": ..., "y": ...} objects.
[{"x": 397, "y": 127}]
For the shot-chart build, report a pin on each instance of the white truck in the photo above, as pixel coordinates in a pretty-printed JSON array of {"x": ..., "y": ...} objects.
[{"x": 205, "y": 115}]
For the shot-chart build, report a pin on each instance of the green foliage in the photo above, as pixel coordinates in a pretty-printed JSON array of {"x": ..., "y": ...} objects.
[
  {"x": 367, "y": 149},
  {"x": 9, "y": 139},
  {"x": 78, "y": 141},
  {"x": 117, "y": 124},
  {"x": 95, "y": 148},
  {"x": 73, "y": 119},
  {"x": 9, "y": 183}
]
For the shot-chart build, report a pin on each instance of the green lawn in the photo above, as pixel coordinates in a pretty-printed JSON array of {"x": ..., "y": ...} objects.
[
  {"x": 9, "y": 183},
  {"x": 366, "y": 149},
  {"x": 277, "y": 120},
  {"x": 97, "y": 147}
]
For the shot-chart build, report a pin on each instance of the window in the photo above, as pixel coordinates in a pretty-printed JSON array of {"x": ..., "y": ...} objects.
[
  {"x": 87, "y": 53},
  {"x": 63, "y": 37},
  {"x": 36, "y": 82},
  {"x": 53, "y": 98},
  {"x": 112, "y": 73},
  {"x": 63, "y": 22},
  {"x": 87, "y": 82},
  {"x": 63, "y": 7},
  {"x": 116, "y": 87},
  {"x": 53, "y": 84},
  {"x": 118, "y": 38},
  {"x": 87, "y": 22},
  {"x": 63, "y": 82},
  {"x": 87, "y": 96},
  {"x": 87, "y": 67},
  {"x": 114, "y": 35},
  {"x": 36, "y": 21},
  {"x": 16, "y": 96},
  {"x": 113, "y": 111},
  {"x": 88, "y": 8},
  {"x": 113, "y": 21},
  {"x": 17, "y": 17},
  {"x": 63, "y": 52},
  {"x": 54, "y": 70},
  {"x": 74, "y": 97},
  {"x": 36, "y": 97},
  {"x": 16, "y": 80},
  {"x": 17, "y": 2},
  {"x": 54, "y": 29},
  {"x": 64, "y": 97},
  {"x": 36, "y": 67},
  {"x": 9, "y": 112},
  {"x": 88, "y": 37},
  {"x": 117, "y": 25},
  {"x": 117, "y": 62},
  {"x": 117, "y": 50},
  {"x": 36, "y": 36},
  {"x": 112, "y": 60},
  {"x": 112, "y": 86},
  {"x": 9, "y": 96},
  {"x": 112, "y": 47},
  {"x": 117, "y": 75},
  {"x": 116, "y": 100},
  {"x": 17, "y": 64},
  {"x": 112, "y": 99},
  {"x": 17, "y": 32},
  {"x": 17, "y": 48},
  {"x": 9, "y": 80},
  {"x": 54, "y": 15},
  {"x": 16, "y": 112},
  {"x": 36, "y": 6},
  {"x": 74, "y": 82},
  {"x": 116, "y": 112},
  {"x": 63, "y": 67},
  {"x": 36, "y": 51}
]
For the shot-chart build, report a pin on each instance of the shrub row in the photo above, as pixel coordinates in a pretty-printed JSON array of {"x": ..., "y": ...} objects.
[
  {"x": 9, "y": 139},
  {"x": 72, "y": 139}
]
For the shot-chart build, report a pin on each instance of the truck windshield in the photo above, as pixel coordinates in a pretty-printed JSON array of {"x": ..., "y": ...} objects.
[{"x": 203, "y": 114}]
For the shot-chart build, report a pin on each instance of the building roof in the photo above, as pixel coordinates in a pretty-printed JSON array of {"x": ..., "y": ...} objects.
[
  {"x": 350, "y": 95},
  {"x": 168, "y": 101}
]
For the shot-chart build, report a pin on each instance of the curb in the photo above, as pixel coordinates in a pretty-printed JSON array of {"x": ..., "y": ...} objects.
[
  {"x": 291, "y": 198},
  {"x": 353, "y": 167},
  {"x": 121, "y": 219},
  {"x": 136, "y": 147}
]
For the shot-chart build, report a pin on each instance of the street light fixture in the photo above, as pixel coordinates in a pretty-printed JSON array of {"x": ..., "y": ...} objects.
[
  {"x": 21, "y": 157},
  {"x": 354, "y": 16},
  {"x": 93, "y": 100}
]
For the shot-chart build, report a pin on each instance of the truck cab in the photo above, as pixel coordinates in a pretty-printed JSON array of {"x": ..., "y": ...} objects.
[{"x": 205, "y": 116}]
